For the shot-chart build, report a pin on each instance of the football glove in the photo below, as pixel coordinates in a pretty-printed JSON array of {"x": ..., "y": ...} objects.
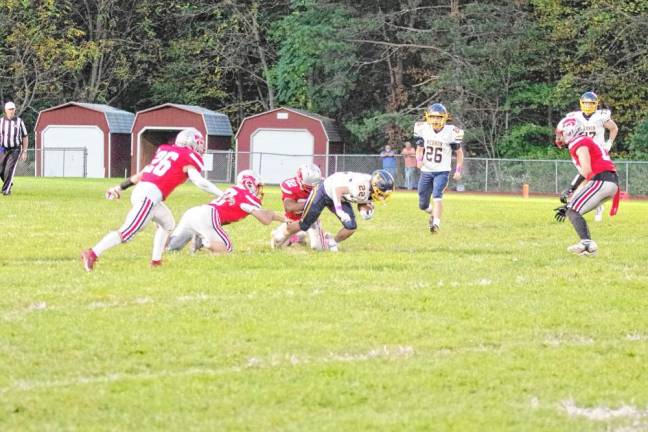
[
  {"x": 564, "y": 196},
  {"x": 561, "y": 213}
]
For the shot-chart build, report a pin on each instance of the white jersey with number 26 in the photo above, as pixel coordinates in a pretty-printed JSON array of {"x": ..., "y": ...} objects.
[
  {"x": 359, "y": 185},
  {"x": 437, "y": 156}
]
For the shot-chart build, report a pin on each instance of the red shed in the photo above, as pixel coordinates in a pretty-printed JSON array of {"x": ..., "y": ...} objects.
[
  {"x": 276, "y": 142},
  {"x": 103, "y": 131},
  {"x": 160, "y": 125}
]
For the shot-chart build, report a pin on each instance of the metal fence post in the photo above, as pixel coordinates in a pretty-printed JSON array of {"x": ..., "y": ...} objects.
[
  {"x": 85, "y": 161},
  {"x": 486, "y": 178},
  {"x": 556, "y": 163},
  {"x": 627, "y": 188}
]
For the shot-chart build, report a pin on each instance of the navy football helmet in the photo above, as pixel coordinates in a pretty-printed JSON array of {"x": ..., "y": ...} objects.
[
  {"x": 382, "y": 185},
  {"x": 436, "y": 115},
  {"x": 588, "y": 102}
]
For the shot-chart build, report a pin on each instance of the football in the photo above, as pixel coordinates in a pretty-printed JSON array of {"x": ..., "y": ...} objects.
[{"x": 366, "y": 210}]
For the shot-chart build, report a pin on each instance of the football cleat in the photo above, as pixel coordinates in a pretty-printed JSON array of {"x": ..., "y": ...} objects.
[
  {"x": 584, "y": 248},
  {"x": 434, "y": 228},
  {"x": 332, "y": 245},
  {"x": 89, "y": 259},
  {"x": 588, "y": 103},
  {"x": 196, "y": 243}
]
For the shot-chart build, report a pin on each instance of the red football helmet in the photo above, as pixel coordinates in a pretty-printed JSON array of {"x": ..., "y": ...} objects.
[
  {"x": 568, "y": 129},
  {"x": 249, "y": 180},
  {"x": 308, "y": 175}
]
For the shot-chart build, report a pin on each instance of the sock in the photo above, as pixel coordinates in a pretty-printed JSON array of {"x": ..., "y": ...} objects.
[
  {"x": 111, "y": 239},
  {"x": 579, "y": 223},
  {"x": 437, "y": 222},
  {"x": 159, "y": 241}
]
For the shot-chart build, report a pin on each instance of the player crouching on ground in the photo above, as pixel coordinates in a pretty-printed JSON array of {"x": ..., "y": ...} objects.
[
  {"x": 171, "y": 166},
  {"x": 203, "y": 225},
  {"x": 594, "y": 166},
  {"x": 294, "y": 194},
  {"x": 435, "y": 142},
  {"x": 337, "y": 193}
]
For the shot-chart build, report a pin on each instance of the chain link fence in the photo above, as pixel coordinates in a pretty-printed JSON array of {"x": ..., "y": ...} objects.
[
  {"x": 479, "y": 174},
  {"x": 56, "y": 162}
]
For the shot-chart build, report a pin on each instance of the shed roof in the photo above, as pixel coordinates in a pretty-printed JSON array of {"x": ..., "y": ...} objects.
[
  {"x": 215, "y": 122},
  {"x": 119, "y": 121},
  {"x": 330, "y": 126}
]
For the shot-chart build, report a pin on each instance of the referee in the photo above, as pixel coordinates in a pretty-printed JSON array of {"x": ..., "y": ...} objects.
[{"x": 13, "y": 144}]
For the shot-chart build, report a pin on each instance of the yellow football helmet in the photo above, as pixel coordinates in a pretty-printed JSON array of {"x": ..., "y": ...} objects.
[
  {"x": 588, "y": 103},
  {"x": 436, "y": 115}
]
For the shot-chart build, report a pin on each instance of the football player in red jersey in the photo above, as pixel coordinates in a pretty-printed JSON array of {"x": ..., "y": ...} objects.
[
  {"x": 294, "y": 192},
  {"x": 204, "y": 224},
  {"x": 594, "y": 166},
  {"x": 171, "y": 166}
]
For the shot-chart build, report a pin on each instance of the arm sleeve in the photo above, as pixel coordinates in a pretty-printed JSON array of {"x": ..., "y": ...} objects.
[
  {"x": 249, "y": 208},
  {"x": 203, "y": 183}
]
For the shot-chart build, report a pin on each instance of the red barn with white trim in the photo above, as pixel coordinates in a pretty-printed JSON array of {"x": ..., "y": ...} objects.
[
  {"x": 160, "y": 125},
  {"x": 103, "y": 131},
  {"x": 276, "y": 142}
]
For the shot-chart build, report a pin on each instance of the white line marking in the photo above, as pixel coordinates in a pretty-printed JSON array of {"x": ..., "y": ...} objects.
[
  {"x": 275, "y": 360},
  {"x": 603, "y": 413}
]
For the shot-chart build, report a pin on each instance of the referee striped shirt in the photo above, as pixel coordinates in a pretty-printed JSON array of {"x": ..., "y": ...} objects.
[{"x": 12, "y": 132}]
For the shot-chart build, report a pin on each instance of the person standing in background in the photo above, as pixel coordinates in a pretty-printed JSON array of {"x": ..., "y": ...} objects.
[
  {"x": 13, "y": 145},
  {"x": 409, "y": 159},
  {"x": 389, "y": 160}
]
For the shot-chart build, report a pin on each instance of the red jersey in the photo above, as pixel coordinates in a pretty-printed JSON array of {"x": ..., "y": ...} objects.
[
  {"x": 165, "y": 170},
  {"x": 235, "y": 204},
  {"x": 290, "y": 189},
  {"x": 600, "y": 159}
]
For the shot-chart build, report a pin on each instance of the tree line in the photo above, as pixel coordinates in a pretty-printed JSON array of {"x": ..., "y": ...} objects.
[{"x": 506, "y": 70}]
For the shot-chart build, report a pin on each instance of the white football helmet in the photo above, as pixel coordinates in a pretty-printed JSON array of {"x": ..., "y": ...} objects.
[
  {"x": 192, "y": 138},
  {"x": 249, "y": 180},
  {"x": 568, "y": 129},
  {"x": 308, "y": 175}
]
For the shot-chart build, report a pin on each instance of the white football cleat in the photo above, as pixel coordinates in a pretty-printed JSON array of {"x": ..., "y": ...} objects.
[
  {"x": 584, "y": 248},
  {"x": 278, "y": 238},
  {"x": 332, "y": 245}
]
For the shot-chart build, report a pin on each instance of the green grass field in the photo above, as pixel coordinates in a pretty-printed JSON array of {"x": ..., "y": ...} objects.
[{"x": 489, "y": 325}]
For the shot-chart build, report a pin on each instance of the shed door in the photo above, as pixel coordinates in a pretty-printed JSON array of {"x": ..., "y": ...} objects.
[
  {"x": 63, "y": 151},
  {"x": 277, "y": 153}
]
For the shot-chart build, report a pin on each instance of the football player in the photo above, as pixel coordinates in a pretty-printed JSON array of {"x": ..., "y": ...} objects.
[
  {"x": 204, "y": 224},
  {"x": 435, "y": 143},
  {"x": 596, "y": 169},
  {"x": 595, "y": 121},
  {"x": 337, "y": 193},
  {"x": 171, "y": 166},
  {"x": 294, "y": 192}
]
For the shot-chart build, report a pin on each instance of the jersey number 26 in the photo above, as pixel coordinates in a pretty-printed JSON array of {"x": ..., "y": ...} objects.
[{"x": 161, "y": 163}]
